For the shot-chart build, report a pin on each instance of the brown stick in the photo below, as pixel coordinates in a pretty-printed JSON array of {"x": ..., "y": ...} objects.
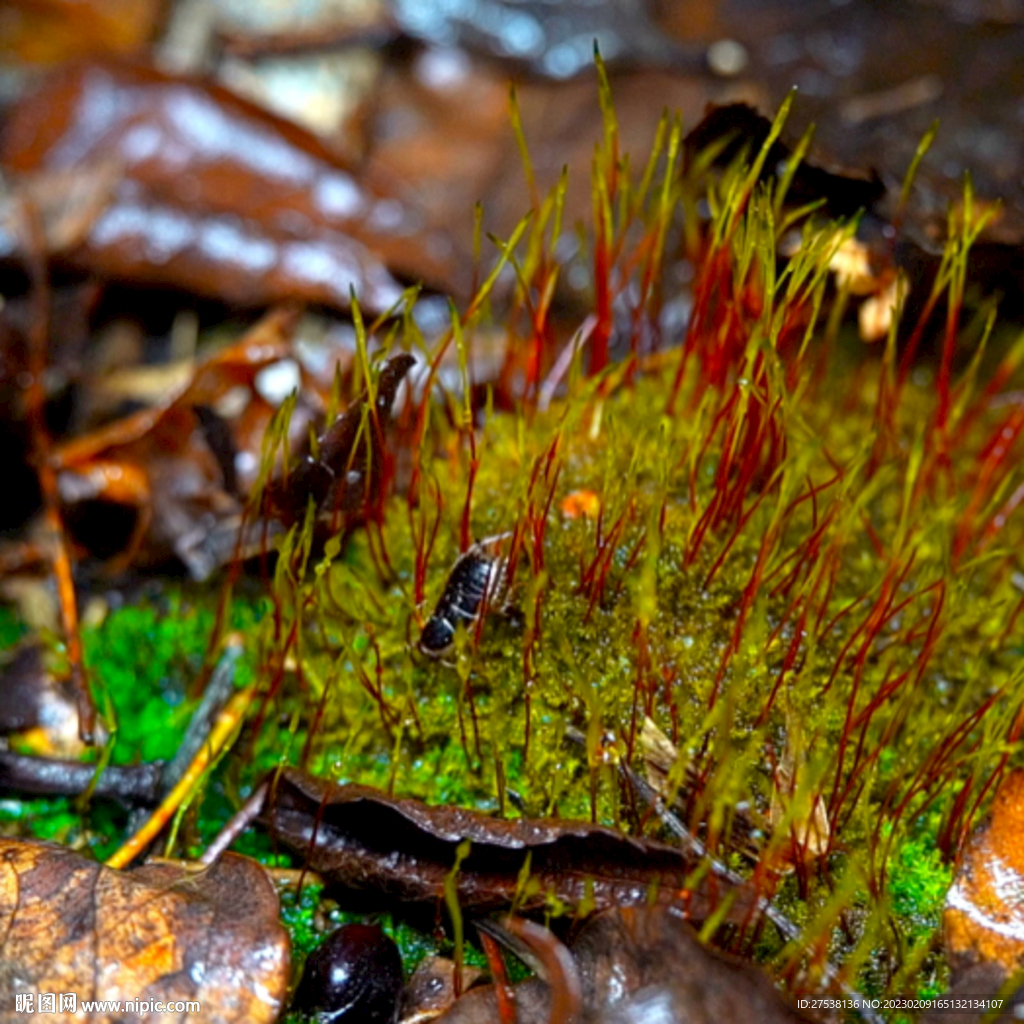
[
  {"x": 35, "y": 401},
  {"x": 242, "y": 819},
  {"x": 48, "y": 776}
]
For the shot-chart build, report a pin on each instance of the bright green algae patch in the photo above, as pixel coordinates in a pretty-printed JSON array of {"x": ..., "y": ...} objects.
[{"x": 142, "y": 660}]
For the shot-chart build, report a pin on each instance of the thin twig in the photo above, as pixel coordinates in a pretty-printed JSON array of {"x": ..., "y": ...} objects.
[
  {"x": 35, "y": 406},
  {"x": 239, "y": 822},
  {"x": 223, "y": 732},
  {"x": 215, "y": 698}
]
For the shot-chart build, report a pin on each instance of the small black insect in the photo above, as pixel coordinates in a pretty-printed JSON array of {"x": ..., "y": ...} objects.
[{"x": 475, "y": 580}]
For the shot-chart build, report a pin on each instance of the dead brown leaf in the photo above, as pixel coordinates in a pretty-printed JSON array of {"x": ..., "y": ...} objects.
[
  {"x": 640, "y": 964},
  {"x": 162, "y": 932},
  {"x": 162, "y": 464},
  {"x": 219, "y": 197},
  {"x": 360, "y": 838},
  {"x": 50, "y": 31}
]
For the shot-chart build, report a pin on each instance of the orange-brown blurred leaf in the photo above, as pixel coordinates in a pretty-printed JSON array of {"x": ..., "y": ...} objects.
[
  {"x": 50, "y": 31},
  {"x": 984, "y": 918},
  {"x": 162, "y": 932},
  {"x": 580, "y": 503}
]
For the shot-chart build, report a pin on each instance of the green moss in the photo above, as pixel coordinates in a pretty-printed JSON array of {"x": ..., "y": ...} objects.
[
  {"x": 799, "y": 559},
  {"x": 804, "y": 560},
  {"x": 11, "y": 628},
  {"x": 143, "y": 659},
  {"x": 298, "y": 916},
  {"x": 918, "y": 882},
  {"x": 53, "y": 820}
]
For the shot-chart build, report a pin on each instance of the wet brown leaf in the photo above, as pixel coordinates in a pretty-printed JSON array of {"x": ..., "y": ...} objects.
[
  {"x": 737, "y": 127},
  {"x": 218, "y": 196},
  {"x": 66, "y": 203},
  {"x": 551, "y": 40},
  {"x": 403, "y": 850},
  {"x": 431, "y": 989},
  {"x": 648, "y": 960},
  {"x": 442, "y": 133},
  {"x": 642, "y": 964},
  {"x": 162, "y": 932}
]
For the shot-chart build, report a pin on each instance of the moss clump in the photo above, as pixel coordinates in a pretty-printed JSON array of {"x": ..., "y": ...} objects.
[
  {"x": 799, "y": 563},
  {"x": 918, "y": 882}
]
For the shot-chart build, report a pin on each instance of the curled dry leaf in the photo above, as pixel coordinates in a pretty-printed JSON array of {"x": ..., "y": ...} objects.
[
  {"x": 796, "y": 807},
  {"x": 678, "y": 783},
  {"x": 403, "y": 850},
  {"x": 349, "y": 468},
  {"x": 217, "y": 196},
  {"x": 162, "y": 462},
  {"x": 162, "y": 932}
]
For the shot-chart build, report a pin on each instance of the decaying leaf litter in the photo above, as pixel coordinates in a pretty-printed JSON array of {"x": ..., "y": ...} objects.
[{"x": 361, "y": 614}]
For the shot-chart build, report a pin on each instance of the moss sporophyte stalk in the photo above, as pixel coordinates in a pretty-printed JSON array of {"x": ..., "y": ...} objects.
[{"x": 794, "y": 555}]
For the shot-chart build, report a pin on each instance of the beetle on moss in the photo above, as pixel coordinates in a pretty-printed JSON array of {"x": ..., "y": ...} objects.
[{"x": 476, "y": 580}]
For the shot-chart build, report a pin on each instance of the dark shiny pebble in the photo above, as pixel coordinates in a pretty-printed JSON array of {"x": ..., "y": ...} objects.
[{"x": 353, "y": 977}]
